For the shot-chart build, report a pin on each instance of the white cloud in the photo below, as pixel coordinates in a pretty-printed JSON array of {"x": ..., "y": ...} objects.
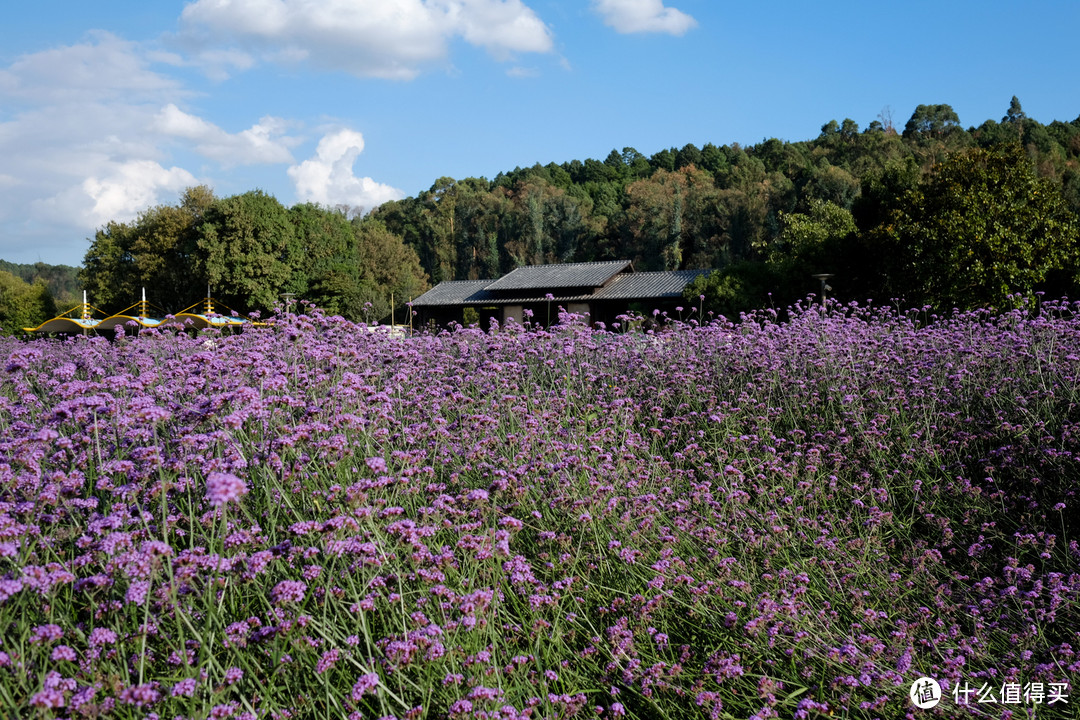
[
  {"x": 637, "y": 16},
  {"x": 392, "y": 39},
  {"x": 219, "y": 65},
  {"x": 78, "y": 146},
  {"x": 263, "y": 143},
  {"x": 129, "y": 187},
  {"x": 502, "y": 26},
  {"x": 93, "y": 132},
  {"x": 328, "y": 178},
  {"x": 105, "y": 68},
  {"x": 522, "y": 72}
]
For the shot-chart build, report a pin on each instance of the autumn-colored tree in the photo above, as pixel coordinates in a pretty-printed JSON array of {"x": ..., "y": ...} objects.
[{"x": 672, "y": 220}]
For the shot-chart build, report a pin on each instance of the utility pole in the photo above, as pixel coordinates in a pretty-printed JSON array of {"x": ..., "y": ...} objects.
[{"x": 824, "y": 287}]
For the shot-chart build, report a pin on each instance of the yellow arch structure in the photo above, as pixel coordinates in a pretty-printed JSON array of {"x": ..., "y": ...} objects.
[{"x": 85, "y": 322}]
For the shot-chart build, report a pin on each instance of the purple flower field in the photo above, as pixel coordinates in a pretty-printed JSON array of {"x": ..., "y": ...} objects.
[{"x": 760, "y": 519}]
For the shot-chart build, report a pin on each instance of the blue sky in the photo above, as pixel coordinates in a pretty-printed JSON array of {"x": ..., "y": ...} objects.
[{"x": 110, "y": 107}]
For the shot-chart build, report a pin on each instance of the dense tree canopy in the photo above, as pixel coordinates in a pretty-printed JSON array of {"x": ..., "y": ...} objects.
[
  {"x": 62, "y": 281},
  {"x": 749, "y": 212},
  {"x": 23, "y": 304},
  {"x": 249, "y": 250},
  {"x": 979, "y": 227},
  {"x": 158, "y": 251},
  {"x": 996, "y": 204},
  {"x": 932, "y": 121}
]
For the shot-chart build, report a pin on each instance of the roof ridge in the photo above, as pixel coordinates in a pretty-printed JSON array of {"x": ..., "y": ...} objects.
[{"x": 478, "y": 280}]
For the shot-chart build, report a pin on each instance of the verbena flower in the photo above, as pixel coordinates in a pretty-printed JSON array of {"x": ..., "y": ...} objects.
[
  {"x": 47, "y": 699},
  {"x": 233, "y": 675},
  {"x": 184, "y": 688},
  {"x": 288, "y": 591},
  {"x": 63, "y": 652},
  {"x": 140, "y": 695},
  {"x": 100, "y": 636},
  {"x": 365, "y": 684},
  {"x": 223, "y": 488}
]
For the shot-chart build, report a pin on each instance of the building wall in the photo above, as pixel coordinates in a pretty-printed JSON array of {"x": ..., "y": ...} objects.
[
  {"x": 512, "y": 312},
  {"x": 578, "y": 309}
]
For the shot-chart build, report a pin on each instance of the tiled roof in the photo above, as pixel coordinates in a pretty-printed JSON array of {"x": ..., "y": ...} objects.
[
  {"x": 569, "y": 275},
  {"x": 455, "y": 292},
  {"x": 633, "y": 286},
  {"x": 627, "y": 286}
]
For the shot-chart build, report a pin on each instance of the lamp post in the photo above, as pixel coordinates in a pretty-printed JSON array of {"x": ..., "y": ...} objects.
[
  {"x": 824, "y": 287},
  {"x": 288, "y": 299}
]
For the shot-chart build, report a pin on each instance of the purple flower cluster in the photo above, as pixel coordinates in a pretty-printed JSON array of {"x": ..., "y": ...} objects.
[
  {"x": 771, "y": 518},
  {"x": 365, "y": 684},
  {"x": 224, "y": 488},
  {"x": 288, "y": 591}
]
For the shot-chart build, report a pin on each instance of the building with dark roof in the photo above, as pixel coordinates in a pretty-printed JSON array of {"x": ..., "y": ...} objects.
[{"x": 601, "y": 290}]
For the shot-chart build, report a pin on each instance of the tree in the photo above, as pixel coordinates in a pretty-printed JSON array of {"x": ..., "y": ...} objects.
[
  {"x": 749, "y": 207},
  {"x": 637, "y": 164},
  {"x": 439, "y": 217},
  {"x": 832, "y": 184},
  {"x": 934, "y": 121},
  {"x": 713, "y": 159},
  {"x": 671, "y": 220},
  {"x": 550, "y": 223},
  {"x": 248, "y": 252},
  {"x": 885, "y": 120},
  {"x": 688, "y": 155},
  {"x": 385, "y": 269},
  {"x": 325, "y": 239},
  {"x": 614, "y": 160},
  {"x": 108, "y": 274},
  {"x": 157, "y": 251},
  {"x": 743, "y": 285},
  {"x": 61, "y": 280},
  {"x": 808, "y": 243},
  {"x": 23, "y": 304},
  {"x": 849, "y": 130},
  {"x": 165, "y": 245},
  {"x": 829, "y": 130},
  {"x": 663, "y": 160},
  {"x": 806, "y": 234},
  {"x": 1015, "y": 114},
  {"x": 981, "y": 226},
  {"x": 482, "y": 218},
  {"x": 881, "y": 190}
]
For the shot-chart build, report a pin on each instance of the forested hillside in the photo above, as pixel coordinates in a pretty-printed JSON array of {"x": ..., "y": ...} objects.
[
  {"x": 930, "y": 213},
  {"x": 883, "y": 208},
  {"x": 30, "y": 294},
  {"x": 62, "y": 281}
]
